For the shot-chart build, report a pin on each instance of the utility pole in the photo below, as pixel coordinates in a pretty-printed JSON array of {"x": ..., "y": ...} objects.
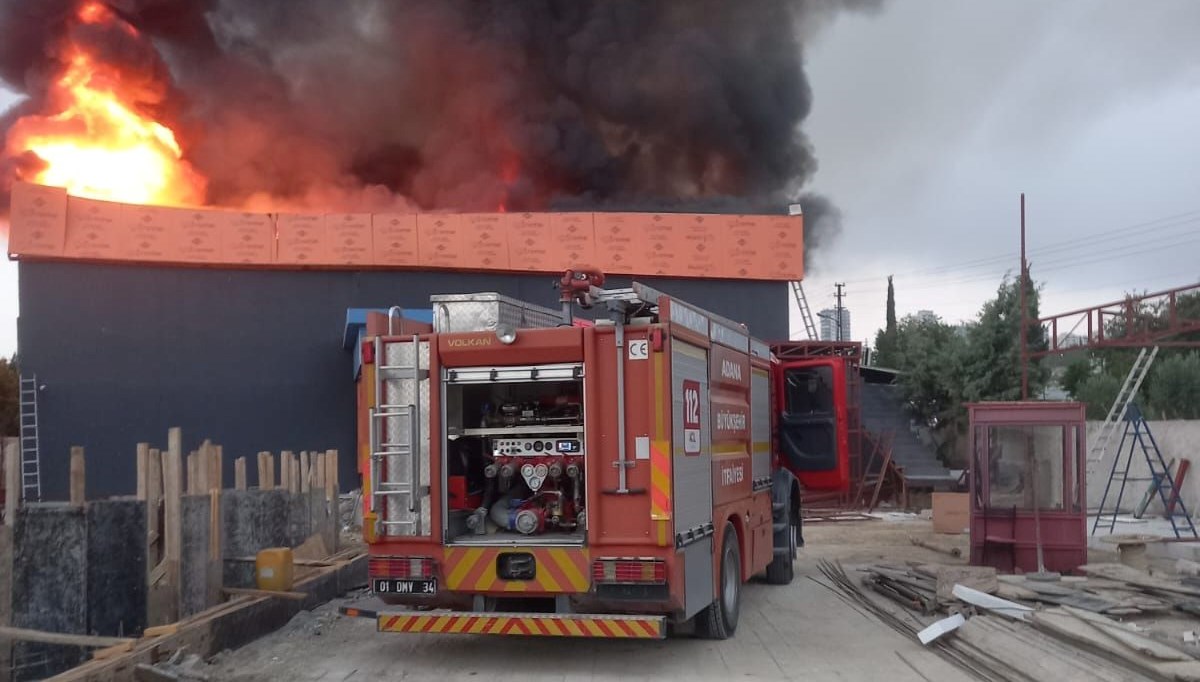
[
  {"x": 1024, "y": 274},
  {"x": 841, "y": 336}
]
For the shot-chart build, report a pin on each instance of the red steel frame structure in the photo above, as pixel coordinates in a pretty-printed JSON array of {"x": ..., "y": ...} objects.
[{"x": 1140, "y": 329}]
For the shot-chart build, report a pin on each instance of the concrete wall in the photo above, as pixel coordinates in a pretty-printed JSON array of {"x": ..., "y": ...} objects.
[
  {"x": 252, "y": 359},
  {"x": 1176, "y": 438}
]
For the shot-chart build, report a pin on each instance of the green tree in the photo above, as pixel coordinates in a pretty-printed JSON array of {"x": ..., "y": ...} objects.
[
  {"x": 1098, "y": 392},
  {"x": 10, "y": 406},
  {"x": 1175, "y": 391},
  {"x": 929, "y": 353},
  {"x": 1075, "y": 374},
  {"x": 886, "y": 339},
  {"x": 992, "y": 366}
]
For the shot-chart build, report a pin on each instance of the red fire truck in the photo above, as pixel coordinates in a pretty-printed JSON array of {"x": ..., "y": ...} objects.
[{"x": 529, "y": 473}]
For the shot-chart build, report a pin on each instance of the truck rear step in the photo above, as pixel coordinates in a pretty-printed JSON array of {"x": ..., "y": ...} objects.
[{"x": 531, "y": 624}]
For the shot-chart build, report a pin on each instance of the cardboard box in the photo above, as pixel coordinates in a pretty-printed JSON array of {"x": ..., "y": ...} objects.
[
  {"x": 951, "y": 512},
  {"x": 395, "y": 239},
  {"x": 440, "y": 239},
  {"x": 302, "y": 239},
  {"x": 199, "y": 237},
  {"x": 485, "y": 241},
  {"x": 349, "y": 237},
  {"x": 619, "y": 247},
  {"x": 531, "y": 244},
  {"x": 37, "y": 220},
  {"x": 96, "y": 229},
  {"x": 576, "y": 238},
  {"x": 249, "y": 239},
  {"x": 744, "y": 246},
  {"x": 156, "y": 232},
  {"x": 784, "y": 257}
]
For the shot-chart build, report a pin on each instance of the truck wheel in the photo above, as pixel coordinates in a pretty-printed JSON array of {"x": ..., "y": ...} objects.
[
  {"x": 719, "y": 620},
  {"x": 782, "y": 568}
]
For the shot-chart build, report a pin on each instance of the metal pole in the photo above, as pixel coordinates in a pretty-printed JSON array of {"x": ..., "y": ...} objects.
[
  {"x": 1023, "y": 359},
  {"x": 840, "y": 334}
]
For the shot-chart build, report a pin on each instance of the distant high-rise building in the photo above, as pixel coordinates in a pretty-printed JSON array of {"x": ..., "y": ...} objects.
[
  {"x": 830, "y": 329},
  {"x": 927, "y": 316}
]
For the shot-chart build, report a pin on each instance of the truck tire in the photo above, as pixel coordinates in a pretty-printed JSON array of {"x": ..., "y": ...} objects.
[
  {"x": 719, "y": 619},
  {"x": 782, "y": 568}
]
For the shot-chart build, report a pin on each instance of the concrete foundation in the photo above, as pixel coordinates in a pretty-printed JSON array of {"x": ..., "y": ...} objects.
[
  {"x": 50, "y": 581},
  {"x": 116, "y": 567}
]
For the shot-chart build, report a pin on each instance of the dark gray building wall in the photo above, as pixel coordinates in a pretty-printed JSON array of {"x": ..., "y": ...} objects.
[{"x": 249, "y": 358}]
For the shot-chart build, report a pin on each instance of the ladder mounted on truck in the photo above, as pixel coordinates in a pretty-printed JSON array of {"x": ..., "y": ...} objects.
[{"x": 395, "y": 435}]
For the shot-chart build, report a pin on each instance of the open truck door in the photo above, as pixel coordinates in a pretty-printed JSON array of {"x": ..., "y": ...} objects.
[{"x": 811, "y": 399}]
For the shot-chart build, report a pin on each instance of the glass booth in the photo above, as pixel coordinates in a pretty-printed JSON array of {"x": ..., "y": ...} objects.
[{"x": 1028, "y": 477}]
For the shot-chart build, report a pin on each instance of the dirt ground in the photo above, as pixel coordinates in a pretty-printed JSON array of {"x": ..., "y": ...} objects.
[{"x": 800, "y": 631}]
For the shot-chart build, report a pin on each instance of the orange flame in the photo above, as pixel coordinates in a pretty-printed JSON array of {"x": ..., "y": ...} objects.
[{"x": 98, "y": 144}]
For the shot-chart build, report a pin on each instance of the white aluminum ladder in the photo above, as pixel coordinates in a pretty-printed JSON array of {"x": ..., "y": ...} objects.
[
  {"x": 395, "y": 452},
  {"x": 1127, "y": 394},
  {"x": 31, "y": 470},
  {"x": 810, "y": 326}
]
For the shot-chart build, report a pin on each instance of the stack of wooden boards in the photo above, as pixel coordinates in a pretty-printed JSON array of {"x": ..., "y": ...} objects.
[{"x": 1112, "y": 623}]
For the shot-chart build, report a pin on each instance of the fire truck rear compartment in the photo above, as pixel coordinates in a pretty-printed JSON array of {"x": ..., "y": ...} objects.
[{"x": 515, "y": 460}]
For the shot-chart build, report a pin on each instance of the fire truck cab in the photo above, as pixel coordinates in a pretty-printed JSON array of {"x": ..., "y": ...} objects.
[{"x": 529, "y": 473}]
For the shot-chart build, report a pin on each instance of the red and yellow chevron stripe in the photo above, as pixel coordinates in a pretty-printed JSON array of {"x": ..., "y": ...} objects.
[
  {"x": 660, "y": 457},
  {"x": 557, "y": 625},
  {"x": 660, "y": 481},
  {"x": 559, "y": 569}
]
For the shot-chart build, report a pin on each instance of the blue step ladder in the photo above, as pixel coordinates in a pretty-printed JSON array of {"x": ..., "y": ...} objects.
[{"x": 1138, "y": 437}]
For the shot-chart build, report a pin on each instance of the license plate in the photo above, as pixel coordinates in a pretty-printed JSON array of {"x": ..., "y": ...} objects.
[{"x": 385, "y": 586}]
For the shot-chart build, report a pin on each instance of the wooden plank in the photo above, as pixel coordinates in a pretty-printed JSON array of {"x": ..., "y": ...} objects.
[
  {"x": 111, "y": 651},
  {"x": 266, "y": 471},
  {"x": 12, "y": 479},
  {"x": 216, "y": 468},
  {"x": 316, "y": 563},
  {"x": 143, "y": 469},
  {"x": 1136, "y": 577},
  {"x": 319, "y": 471},
  {"x": 1184, "y": 465},
  {"x": 239, "y": 473},
  {"x": 160, "y": 630},
  {"x": 285, "y": 470},
  {"x": 240, "y": 591},
  {"x": 305, "y": 472},
  {"x": 192, "y": 473},
  {"x": 204, "y": 468},
  {"x": 78, "y": 477},
  {"x": 24, "y": 635},
  {"x": 154, "y": 485},
  {"x": 172, "y": 523},
  {"x": 331, "y": 480},
  {"x": 215, "y": 566}
]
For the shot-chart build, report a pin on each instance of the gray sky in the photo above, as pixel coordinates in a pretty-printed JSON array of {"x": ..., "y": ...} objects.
[{"x": 931, "y": 117}]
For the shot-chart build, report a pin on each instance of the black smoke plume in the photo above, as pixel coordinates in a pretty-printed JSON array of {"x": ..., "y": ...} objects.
[{"x": 462, "y": 104}]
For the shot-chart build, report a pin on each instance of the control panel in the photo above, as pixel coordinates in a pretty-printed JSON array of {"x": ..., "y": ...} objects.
[{"x": 533, "y": 447}]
